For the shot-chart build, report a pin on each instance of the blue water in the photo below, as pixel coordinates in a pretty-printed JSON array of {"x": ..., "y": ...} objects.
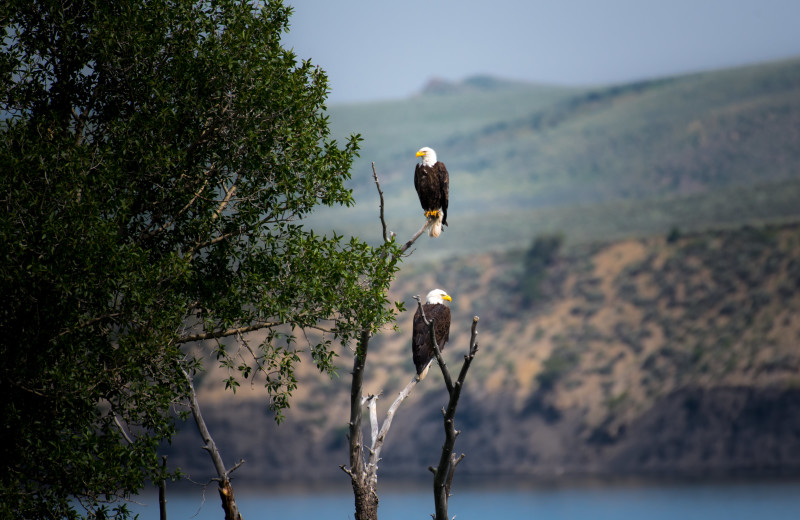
[{"x": 683, "y": 501}]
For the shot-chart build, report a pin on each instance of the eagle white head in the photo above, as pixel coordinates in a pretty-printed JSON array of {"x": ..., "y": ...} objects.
[
  {"x": 428, "y": 156},
  {"x": 437, "y": 296}
]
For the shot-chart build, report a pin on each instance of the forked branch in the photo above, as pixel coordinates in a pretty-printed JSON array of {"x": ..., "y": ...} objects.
[{"x": 443, "y": 473}]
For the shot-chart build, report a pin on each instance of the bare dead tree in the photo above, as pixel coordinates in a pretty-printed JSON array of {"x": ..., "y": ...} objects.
[
  {"x": 443, "y": 473},
  {"x": 223, "y": 475},
  {"x": 363, "y": 470}
]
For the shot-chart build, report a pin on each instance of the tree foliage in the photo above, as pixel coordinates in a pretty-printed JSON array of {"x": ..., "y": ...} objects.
[{"x": 157, "y": 158}]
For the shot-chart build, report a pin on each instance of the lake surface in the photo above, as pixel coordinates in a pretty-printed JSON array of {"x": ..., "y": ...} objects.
[{"x": 597, "y": 501}]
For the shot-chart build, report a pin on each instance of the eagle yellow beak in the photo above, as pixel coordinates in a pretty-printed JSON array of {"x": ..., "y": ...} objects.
[
  {"x": 447, "y": 297},
  {"x": 420, "y": 154}
]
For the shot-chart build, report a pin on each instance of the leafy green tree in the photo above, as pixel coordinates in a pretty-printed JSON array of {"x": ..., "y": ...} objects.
[{"x": 156, "y": 159}]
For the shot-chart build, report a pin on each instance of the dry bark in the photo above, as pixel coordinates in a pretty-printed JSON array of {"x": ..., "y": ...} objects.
[{"x": 223, "y": 476}]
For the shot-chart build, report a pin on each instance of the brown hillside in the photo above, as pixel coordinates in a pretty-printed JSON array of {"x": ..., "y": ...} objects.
[{"x": 630, "y": 347}]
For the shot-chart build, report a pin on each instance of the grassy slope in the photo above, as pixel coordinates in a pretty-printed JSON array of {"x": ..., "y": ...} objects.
[{"x": 526, "y": 158}]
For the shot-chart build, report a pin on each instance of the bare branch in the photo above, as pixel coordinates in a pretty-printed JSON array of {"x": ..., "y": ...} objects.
[
  {"x": 380, "y": 194},
  {"x": 209, "y": 446},
  {"x": 225, "y": 489},
  {"x": 377, "y": 443},
  {"x": 414, "y": 238},
  {"x": 443, "y": 474},
  {"x": 172, "y": 220},
  {"x": 122, "y": 429},
  {"x": 235, "y": 467},
  {"x": 372, "y": 401},
  {"x": 386, "y": 236},
  {"x": 225, "y": 333},
  {"x": 229, "y": 192},
  {"x": 268, "y": 218},
  {"x": 451, "y": 471}
]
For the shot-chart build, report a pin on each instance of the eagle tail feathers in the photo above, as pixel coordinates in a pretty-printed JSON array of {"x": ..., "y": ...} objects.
[
  {"x": 424, "y": 372},
  {"x": 435, "y": 228}
]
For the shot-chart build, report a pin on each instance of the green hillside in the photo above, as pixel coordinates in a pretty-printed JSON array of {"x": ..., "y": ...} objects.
[{"x": 622, "y": 160}]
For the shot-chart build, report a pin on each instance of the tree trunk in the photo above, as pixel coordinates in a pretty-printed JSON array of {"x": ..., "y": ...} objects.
[
  {"x": 162, "y": 492},
  {"x": 364, "y": 473},
  {"x": 366, "y": 500},
  {"x": 228, "y": 501},
  {"x": 366, "y": 496}
]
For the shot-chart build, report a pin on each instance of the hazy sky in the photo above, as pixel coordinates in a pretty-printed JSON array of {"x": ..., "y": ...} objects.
[{"x": 386, "y": 49}]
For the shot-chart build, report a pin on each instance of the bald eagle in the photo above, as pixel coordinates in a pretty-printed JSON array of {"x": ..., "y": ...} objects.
[
  {"x": 421, "y": 346},
  {"x": 433, "y": 185}
]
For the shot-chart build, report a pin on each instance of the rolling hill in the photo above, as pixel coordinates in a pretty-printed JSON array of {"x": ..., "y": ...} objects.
[
  {"x": 717, "y": 148},
  {"x": 662, "y": 338}
]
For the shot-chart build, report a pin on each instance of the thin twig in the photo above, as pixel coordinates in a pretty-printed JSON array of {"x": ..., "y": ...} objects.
[
  {"x": 172, "y": 220},
  {"x": 414, "y": 238},
  {"x": 229, "y": 192},
  {"x": 235, "y": 467},
  {"x": 380, "y": 194}
]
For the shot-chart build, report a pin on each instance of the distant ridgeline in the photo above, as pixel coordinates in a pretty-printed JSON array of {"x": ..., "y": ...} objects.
[
  {"x": 670, "y": 354},
  {"x": 700, "y": 151}
]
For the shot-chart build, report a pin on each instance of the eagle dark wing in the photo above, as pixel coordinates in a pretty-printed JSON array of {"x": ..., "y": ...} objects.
[
  {"x": 421, "y": 350},
  {"x": 417, "y": 174},
  {"x": 426, "y": 184},
  {"x": 444, "y": 187},
  {"x": 421, "y": 346}
]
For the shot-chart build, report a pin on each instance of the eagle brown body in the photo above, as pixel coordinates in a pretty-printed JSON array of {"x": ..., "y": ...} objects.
[
  {"x": 432, "y": 182},
  {"x": 421, "y": 345}
]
